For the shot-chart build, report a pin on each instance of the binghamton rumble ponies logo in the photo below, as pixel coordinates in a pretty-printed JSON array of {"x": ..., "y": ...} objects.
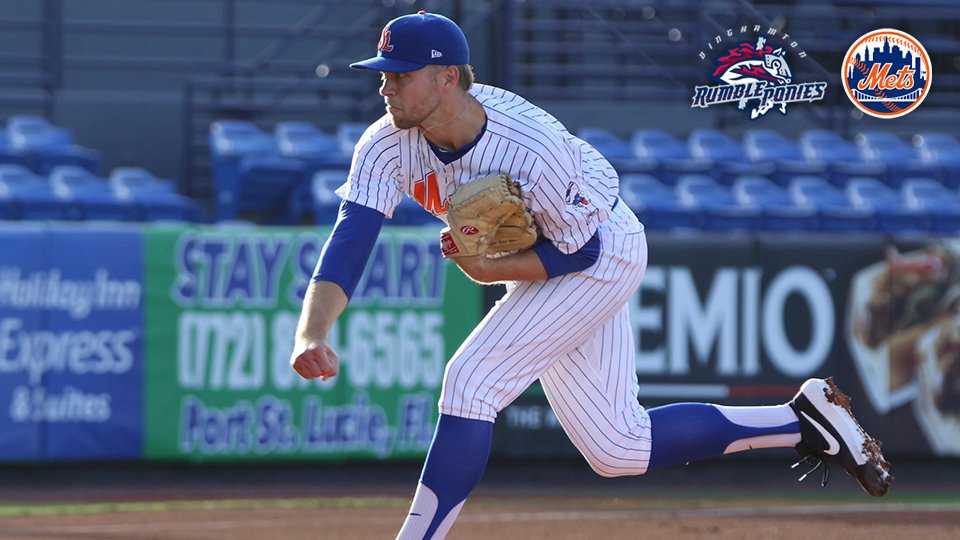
[
  {"x": 887, "y": 73},
  {"x": 755, "y": 71}
]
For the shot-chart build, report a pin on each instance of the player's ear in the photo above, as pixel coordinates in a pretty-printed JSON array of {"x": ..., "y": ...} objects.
[{"x": 451, "y": 76}]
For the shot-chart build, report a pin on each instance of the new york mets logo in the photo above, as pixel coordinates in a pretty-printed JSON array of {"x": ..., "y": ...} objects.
[
  {"x": 384, "y": 44},
  {"x": 755, "y": 71},
  {"x": 887, "y": 73}
]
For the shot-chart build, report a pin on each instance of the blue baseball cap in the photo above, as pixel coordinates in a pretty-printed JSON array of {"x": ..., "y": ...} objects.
[{"x": 412, "y": 42}]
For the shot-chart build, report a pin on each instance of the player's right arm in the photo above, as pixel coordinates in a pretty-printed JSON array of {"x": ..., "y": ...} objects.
[
  {"x": 338, "y": 271},
  {"x": 312, "y": 354}
]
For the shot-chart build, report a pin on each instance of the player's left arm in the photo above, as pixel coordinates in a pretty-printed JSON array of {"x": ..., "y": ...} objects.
[{"x": 542, "y": 262}]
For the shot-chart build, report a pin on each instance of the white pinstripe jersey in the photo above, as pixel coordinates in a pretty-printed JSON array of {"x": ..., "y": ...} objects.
[{"x": 567, "y": 185}]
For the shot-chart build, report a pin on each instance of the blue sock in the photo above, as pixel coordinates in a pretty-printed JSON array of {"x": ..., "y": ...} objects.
[
  {"x": 455, "y": 463},
  {"x": 684, "y": 432}
]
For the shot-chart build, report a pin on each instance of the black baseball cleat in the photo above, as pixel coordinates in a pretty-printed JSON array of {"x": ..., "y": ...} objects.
[{"x": 830, "y": 434}]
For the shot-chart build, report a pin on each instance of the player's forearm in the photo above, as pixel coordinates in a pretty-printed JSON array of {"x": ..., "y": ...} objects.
[
  {"x": 323, "y": 303},
  {"x": 523, "y": 266}
]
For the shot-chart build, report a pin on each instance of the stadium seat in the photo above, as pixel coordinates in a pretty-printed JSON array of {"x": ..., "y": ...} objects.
[
  {"x": 348, "y": 134},
  {"x": 671, "y": 155},
  {"x": 26, "y": 195},
  {"x": 765, "y": 145},
  {"x": 10, "y": 154},
  {"x": 326, "y": 203},
  {"x": 91, "y": 196},
  {"x": 893, "y": 215},
  {"x": 940, "y": 203},
  {"x": 305, "y": 142},
  {"x": 835, "y": 213},
  {"x": 49, "y": 146},
  {"x": 727, "y": 154},
  {"x": 842, "y": 157},
  {"x": 656, "y": 204},
  {"x": 617, "y": 151},
  {"x": 940, "y": 150},
  {"x": 778, "y": 210},
  {"x": 721, "y": 210},
  {"x": 152, "y": 198},
  {"x": 901, "y": 159},
  {"x": 251, "y": 178}
]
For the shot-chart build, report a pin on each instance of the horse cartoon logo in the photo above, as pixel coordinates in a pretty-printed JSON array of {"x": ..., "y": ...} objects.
[{"x": 756, "y": 72}]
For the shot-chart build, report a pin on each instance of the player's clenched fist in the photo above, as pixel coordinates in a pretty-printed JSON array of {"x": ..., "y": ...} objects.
[{"x": 314, "y": 359}]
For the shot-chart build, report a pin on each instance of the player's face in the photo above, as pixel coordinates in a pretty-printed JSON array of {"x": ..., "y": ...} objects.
[{"x": 411, "y": 97}]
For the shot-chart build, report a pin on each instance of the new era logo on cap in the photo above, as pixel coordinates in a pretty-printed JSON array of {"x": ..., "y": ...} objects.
[{"x": 411, "y": 42}]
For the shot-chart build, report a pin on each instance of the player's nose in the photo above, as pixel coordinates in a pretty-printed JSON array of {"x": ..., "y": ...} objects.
[{"x": 387, "y": 88}]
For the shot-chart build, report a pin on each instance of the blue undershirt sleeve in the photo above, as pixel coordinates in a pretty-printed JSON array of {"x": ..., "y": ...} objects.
[
  {"x": 346, "y": 251},
  {"x": 558, "y": 263}
]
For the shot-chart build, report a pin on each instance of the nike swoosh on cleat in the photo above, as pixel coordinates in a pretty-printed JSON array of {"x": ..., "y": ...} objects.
[{"x": 833, "y": 446}]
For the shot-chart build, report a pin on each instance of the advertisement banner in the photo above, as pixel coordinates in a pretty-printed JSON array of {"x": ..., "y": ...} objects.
[
  {"x": 744, "y": 320},
  {"x": 222, "y": 308},
  {"x": 70, "y": 343}
]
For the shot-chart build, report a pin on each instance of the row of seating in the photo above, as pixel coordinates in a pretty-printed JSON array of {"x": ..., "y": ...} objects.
[
  {"x": 765, "y": 152},
  {"x": 709, "y": 181},
  {"x": 71, "y": 192},
  {"x": 263, "y": 174},
  {"x": 35, "y": 143},
  {"x": 806, "y": 203}
]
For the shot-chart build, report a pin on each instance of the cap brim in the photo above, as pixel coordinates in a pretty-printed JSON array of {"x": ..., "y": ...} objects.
[{"x": 380, "y": 63}]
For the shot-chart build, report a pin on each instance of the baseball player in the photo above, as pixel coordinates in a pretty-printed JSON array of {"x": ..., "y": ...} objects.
[{"x": 564, "y": 318}]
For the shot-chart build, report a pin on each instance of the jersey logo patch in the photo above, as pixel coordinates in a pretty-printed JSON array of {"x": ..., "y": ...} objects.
[
  {"x": 573, "y": 196},
  {"x": 427, "y": 193}
]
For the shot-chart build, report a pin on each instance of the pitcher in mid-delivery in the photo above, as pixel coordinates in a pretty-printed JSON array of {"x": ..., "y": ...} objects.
[{"x": 564, "y": 317}]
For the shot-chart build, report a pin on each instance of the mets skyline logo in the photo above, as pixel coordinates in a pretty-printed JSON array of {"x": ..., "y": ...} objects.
[
  {"x": 756, "y": 71},
  {"x": 886, "y": 73}
]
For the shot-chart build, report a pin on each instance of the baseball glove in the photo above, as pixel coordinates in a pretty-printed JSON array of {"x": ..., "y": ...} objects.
[{"x": 487, "y": 215}]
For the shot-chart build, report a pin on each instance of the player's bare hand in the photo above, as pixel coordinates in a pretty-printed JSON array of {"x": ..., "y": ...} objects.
[{"x": 312, "y": 359}]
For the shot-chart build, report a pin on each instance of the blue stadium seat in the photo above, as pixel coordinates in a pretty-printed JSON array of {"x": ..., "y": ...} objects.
[
  {"x": 766, "y": 145},
  {"x": 251, "y": 178},
  {"x": 153, "y": 199},
  {"x": 91, "y": 195},
  {"x": 778, "y": 210},
  {"x": 326, "y": 203},
  {"x": 27, "y": 195},
  {"x": 901, "y": 159},
  {"x": 835, "y": 213},
  {"x": 305, "y": 142},
  {"x": 410, "y": 213},
  {"x": 656, "y": 204},
  {"x": 893, "y": 215},
  {"x": 940, "y": 203},
  {"x": 9, "y": 154},
  {"x": 617, "y": 151},
  {"x": 49, "y": 146},
  {"x": 348, "y": 134},
  {"x": 842, "y": 157},
  {"x": 728, "y": 155},
  {"x": 940, "y": 150},
  {"x": 721, "y": 210},
  {"x": 671, "y": 154}
]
